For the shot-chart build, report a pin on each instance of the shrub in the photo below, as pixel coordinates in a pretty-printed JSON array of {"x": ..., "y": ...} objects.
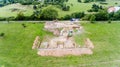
[
  {"x": 65, "y": 8},
  {"x": 34, "y": 7},
  {"x": 90, "y": 10},
  {"x": 2, "y": 34},
  {"x": 2, "y": 19},
  {"x": 24, "y": 26},
  {"x": 86, "y": 1},
  {"x": 116, "y": 3},
  {"x": 86, "y": 17},
  {"x": 109, "y": 21},
  {"x": 49, "y": 14},
  {"x": 92, "y": 19},
  {"x": 77, "y": 15},
  {"x": 104, "y": 3},
  {"x": 67, "y": 17},
  {"x": 102, "y": 15},
  {"x": 79, "y": 1},
  {"x": 20, "y": 16}
]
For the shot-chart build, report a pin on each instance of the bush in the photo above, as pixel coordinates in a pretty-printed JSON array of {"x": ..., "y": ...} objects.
[
  {"x": 79, "y": 1},
  {"x": 49, "y": 14},
  {"x": 104, "y": 3},
  {"x": 77, "y": 15},
  {"x": 2, "y": 34},
  {"x": 109, "y": 21},
  {"x": 86, "y": 1},
  {"x": 24, "y": 26},
  {"x": 102, "y": 15},
  {"x": 20, "y": 16},
  {"x": 65, "y": 8},
  {"x": 92, "y": 19},
  {"x": 67, "y": 17},
  {"x": 86, "y": 17},
  {"x": 90, "y": 10},
  {"x": 2, "y": 19},
  {"x": 34, "y": 7}
]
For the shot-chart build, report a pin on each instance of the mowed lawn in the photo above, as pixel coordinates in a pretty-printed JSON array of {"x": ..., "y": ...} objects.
[{"x": 15, "y": 47}]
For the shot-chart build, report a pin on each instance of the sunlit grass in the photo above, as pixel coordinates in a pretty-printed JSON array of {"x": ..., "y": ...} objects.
[{"x": 15, "y": 47}]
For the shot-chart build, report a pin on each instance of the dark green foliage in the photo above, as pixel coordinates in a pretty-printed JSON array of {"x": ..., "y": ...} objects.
[
  {"x": 101, "y": 0},
  {"x": 34, "y": 7},
  {"x": 102, "y": 15},
  {"x": 92, "y": 19},
  {"x": 109, "y": 21},
  {"x": 11, "y": 1},
  {"x": 79, "y": 1},
  {"x": 78, "y": 15},
  {"x": 67, "y": 17},
  {"x": 66, "y": 0},
  {"x": 74, "y": 15},
  {"x": 2, "y": 19},
  {"x": 95, "y": 8},
  {"x": 87, "y": 17},
  {"x": 116, "y": 3},
  {"x": 1, "y": 5},
  {"x": 36, "y": 14},
  {"x": 104, "y": 3},
  {"x": 65, "y": 8},
  {"x": 114, "y": 15},
  {"x": 4, "y": 1},
  {"x": 111, "y": 16},
  {"x": 20, "y": 16},
  {"x": 2, "y": 34},
  {"x": 24, "y": 26},
  {"x": 55, "y": 2},
  {"x": 49, "y": 14},
  {"x": 86, "y": 1}
]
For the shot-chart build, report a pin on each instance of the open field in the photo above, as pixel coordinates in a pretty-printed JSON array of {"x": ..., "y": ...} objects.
[
  {"x": 15, "y": 47},
  {"x": 14, "y": 9},
  {"x": 77, "y": 7}
]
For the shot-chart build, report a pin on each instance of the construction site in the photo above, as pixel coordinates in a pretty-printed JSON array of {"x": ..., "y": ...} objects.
[{"x": 63, "y": 42}]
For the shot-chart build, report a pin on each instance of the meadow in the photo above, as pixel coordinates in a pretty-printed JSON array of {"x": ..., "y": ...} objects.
[
  {"x": 74, "y": 7},
  {"x": 15, "y": 46}
]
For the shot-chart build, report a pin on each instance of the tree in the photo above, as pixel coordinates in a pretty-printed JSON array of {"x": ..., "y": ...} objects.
[
  {"x": 101, "y": 0},
  {"x": 20, "y": 16},
  {"x": 11, "y": 1},
  {"x": 4, "y": 1},
  {"x": 95, "y": 7},
  {"x": 49, "y": 14},
  {"x": 102, "y": 15},
  {"x": 79, "y": 1},
  {"x": 117, "y": 15},
  {"x": 77, "y": 15},
  {"x": 34, "y": 7},
  {"x": 86, "y": 1}
]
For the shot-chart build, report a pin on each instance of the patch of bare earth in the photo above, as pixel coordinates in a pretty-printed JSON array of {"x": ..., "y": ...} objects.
[{"x": 63, "y": 44}]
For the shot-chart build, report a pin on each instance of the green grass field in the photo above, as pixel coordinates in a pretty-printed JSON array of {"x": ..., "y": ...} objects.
[
  {"x": 77, "y": 7},
  {"x": 6, "y": 11},
  {"x": 15, "y": 47}
]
